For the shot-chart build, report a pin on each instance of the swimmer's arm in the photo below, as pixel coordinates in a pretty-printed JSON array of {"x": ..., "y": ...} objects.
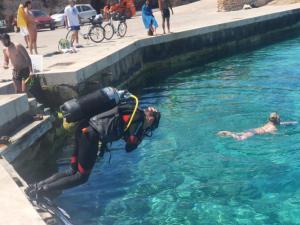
[
  {"x": 6, "y": 59},
  {"x": 288, "y": 123},
  {"x": 26, "y": 56}
]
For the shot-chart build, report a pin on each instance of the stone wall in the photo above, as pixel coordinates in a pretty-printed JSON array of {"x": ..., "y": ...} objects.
[{"x": 230, "y": 5}]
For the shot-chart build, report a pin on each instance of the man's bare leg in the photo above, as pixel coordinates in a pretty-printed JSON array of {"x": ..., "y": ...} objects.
[
  {"x": 163, "y": 25},
  {"x": 73, "y": 39},
  {"x": 17, "y": 86},
  {"x": 34, "y": 44},
  {"x": 76, "y": 36},
  {"x": 168, "y": 24},
  {"x": 26, "y": 38},
  {"x": 30, "y": 45},
  {"x": 23, "y": 86}
]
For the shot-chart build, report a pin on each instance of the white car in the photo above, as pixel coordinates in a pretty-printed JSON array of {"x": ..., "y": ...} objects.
[{"x": 85, "y": 11}]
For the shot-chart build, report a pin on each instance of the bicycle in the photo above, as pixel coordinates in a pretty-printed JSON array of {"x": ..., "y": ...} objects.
[
  {"x": 96, "y": 32},
  {"x": 110, "y": 29}
]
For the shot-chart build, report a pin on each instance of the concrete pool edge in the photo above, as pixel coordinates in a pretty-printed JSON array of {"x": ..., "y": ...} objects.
[{"x": 170, "y": 52}]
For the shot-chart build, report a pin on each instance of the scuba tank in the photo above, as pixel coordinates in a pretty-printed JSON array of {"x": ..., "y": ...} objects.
[{"x": 92, "y": 104}]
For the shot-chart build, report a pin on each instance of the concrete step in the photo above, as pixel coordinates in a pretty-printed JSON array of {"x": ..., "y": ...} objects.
[
  {"x": 35, "y": 107},
  {"x": 14, "y": 111},
  {"x": 7, "y": 88},
  {"x": 25, "y": 137}
]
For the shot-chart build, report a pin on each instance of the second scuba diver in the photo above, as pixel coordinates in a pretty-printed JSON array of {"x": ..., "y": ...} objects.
[{"x": 105, "y": 116}]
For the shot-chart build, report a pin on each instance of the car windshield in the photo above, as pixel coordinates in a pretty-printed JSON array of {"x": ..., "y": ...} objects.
[{"x": 37, "y": 13}]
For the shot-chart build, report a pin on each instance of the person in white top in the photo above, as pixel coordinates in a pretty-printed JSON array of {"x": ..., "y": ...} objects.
[{"x": 72, "y": 20}]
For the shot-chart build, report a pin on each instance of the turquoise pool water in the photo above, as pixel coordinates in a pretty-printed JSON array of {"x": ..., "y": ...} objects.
[{"x": 185, "y": 174}]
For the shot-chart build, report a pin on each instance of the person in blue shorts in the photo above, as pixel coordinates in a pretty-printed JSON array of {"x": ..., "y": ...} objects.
[{"x": 72, "y": 21}]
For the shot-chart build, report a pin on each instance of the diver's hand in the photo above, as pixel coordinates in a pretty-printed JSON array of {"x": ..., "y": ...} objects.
[{"x": 151, "y": 109}]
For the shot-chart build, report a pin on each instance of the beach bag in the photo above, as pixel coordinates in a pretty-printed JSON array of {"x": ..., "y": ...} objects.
[{"x": 64, "y": 45}]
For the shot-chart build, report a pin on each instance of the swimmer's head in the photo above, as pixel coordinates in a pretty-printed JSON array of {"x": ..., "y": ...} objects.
[{"x": 274, "y": 118}]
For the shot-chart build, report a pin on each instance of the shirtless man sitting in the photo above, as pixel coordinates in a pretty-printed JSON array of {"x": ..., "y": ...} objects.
[
  {"x": 20, "y": 61},
  {"x": 269, "y": 128}
]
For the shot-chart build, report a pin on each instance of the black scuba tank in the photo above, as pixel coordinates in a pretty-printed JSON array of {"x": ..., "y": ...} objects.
[{"x": 92, "y": 104}]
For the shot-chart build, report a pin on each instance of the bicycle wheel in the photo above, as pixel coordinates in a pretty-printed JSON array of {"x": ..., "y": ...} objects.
[
  {"x": 69, "y": 36},
  {"x": 97, "y": 33},
  {"x": 109, "y": 31},
  {"x": 122, "y": 28}
]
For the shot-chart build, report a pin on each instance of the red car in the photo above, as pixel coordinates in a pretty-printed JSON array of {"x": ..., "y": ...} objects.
[{"x": 43, "y": 20}]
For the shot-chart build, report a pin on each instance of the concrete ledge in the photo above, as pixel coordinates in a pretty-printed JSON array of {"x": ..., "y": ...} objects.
[
  {"x": 73, "y": 78},
  {"x": 25, "y": 138},
  {"x": 12, "y": 106},
  {"x": 15, "y": 208},
  {"x": 7, "y": 88}
]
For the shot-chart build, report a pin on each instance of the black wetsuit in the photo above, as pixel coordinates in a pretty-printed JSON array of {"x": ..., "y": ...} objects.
[{"x": 86, "y": 149}]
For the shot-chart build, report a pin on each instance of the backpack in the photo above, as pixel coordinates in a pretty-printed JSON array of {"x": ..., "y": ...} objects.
[{"x": 108, "y": 125}]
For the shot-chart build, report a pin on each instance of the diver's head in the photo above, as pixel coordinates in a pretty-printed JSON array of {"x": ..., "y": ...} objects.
[
  {"x": 147, "y": 2},
  {"x": 152, "y": 118},
  {"x": 274, "y": 118},
  {"x": 5, "y": 39}
]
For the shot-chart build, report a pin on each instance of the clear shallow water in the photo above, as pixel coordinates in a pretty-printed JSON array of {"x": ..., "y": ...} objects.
[{"x": 185, "y": 174}]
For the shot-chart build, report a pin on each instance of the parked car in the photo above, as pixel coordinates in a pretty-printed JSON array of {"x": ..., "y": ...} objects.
[
  {"x": 85, "y": 11},
  {"x": 3, "y": 26},
  {"x": 43, "y": 20}
]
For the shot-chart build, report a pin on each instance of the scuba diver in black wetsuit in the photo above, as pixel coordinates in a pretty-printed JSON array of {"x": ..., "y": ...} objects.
[{"x": 116, "y": 116}]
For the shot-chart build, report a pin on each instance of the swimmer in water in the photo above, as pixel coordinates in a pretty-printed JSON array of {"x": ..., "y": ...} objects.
[{"x": 269, "y": 128}]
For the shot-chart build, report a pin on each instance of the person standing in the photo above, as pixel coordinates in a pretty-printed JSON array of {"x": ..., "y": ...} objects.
[
  {"x": 20, "y": 60},
  {"x": 31, "y": 25},
  {"x": 22, "y": 24},
  {"x": 165, "y": 6},
  {"x": 72, "y": 21},
  {"x": 149, "y": 19}
]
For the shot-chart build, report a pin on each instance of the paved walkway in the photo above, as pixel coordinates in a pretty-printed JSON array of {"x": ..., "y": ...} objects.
[
  {"x": 15, "y": 208},
  {"x": 188, "y": 17}
]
